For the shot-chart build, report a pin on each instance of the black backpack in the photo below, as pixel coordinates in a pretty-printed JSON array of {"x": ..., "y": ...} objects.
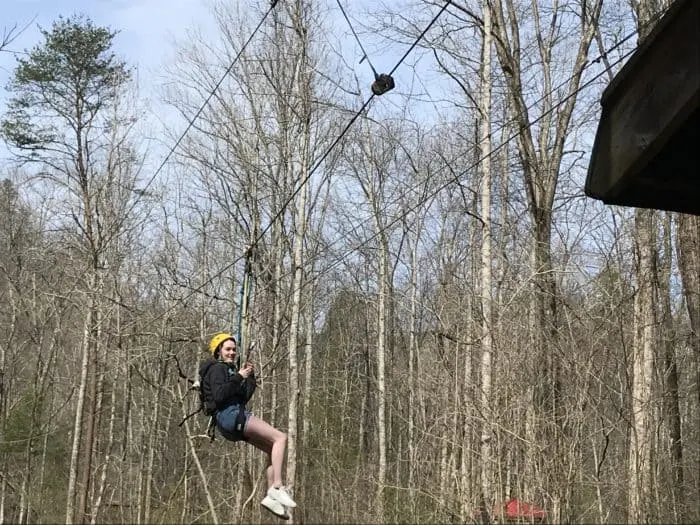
[
  {"x": 206, "y": 401},
  {"x": 206, "y": 406}
]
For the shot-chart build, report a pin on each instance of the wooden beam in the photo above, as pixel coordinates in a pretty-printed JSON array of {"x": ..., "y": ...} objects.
[{"x": 654, "y": 102}]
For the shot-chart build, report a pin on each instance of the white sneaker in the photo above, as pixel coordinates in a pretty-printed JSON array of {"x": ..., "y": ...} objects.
[
  {"x": 281, "y": 495},
  {"x": 275, "y": 507}
]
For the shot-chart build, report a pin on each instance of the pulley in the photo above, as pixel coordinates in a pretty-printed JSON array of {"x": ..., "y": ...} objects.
[{"x": 382, "y": 84}]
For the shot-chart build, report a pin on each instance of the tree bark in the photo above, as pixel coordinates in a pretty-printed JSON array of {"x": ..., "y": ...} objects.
[
  {"x": 488, "y": 495},
  {"x": 78, "y": 438},
  {"x": 688, "y": 248},
  {"x": 302, "y": 78},
  {"x": 382, "y": 297},
  {"x": 673, "y": 418},
  {"x": 640, "y": 467},
  {"x": 198, "y": 463}
]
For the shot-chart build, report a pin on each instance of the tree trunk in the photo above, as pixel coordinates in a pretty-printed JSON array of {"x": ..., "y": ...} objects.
[
  {"x": 308, "y": 370},
  {"x": 381, "y": 373},
  {"x": 302, "y": 78},
  {"x": 468, "y": 461},
  {"x": 672, "y": 403},
  {"x": 688, "y": 248},
  {"x": 292, "y": 344},
  {"x": 412, "y": 350},
  {"x": 541, "y": 151},
  {"x": 274, "y": 298},
  {"x": 486, "y": 460},
  {"x": 106, "y": 460},
  {"x": 90, "y": 418},
  {"x": 640, "y": 468},
  {"x": 197, "y": 462},
  {"x": 78, "y": 443}
]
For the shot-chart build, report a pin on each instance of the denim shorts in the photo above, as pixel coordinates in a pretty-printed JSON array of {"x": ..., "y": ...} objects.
[{"x": 226, "y": 422}]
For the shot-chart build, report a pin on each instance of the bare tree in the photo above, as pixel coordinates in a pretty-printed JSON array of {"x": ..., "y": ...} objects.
[
  {"x": 300, "y": 16},
  {"x": 643, "y": 412},
  {"x": 60, "y": 120},
  {"x": 541, "y": 151},
  {"x": 670, "y": 376},
  {"x": 254, "y": 148},
  {"x": 9, "y": 35},
  {"x": 472, "y": 331},
  {"x": 488, "y": 494},
  {"x": 688, "y": 248},
  {"x": 640, "y": 461}
]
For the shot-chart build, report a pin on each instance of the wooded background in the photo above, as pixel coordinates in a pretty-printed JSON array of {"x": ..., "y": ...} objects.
[{"x": 443, "y": 320}]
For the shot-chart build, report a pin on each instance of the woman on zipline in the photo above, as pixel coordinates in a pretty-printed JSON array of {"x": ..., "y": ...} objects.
[{"x": 227, "y": 390}]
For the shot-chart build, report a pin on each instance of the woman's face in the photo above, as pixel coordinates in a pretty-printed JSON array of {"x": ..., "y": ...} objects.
[{"x": 228, "y": 351}]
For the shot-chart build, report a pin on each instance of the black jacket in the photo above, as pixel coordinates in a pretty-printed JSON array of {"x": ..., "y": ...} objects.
[{"x": 223, "y": 386}]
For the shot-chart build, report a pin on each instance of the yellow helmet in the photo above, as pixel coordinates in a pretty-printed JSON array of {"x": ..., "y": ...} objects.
[{"x": 217, "y": 340}]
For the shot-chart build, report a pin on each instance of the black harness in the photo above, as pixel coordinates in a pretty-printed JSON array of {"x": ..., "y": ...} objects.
[{"x": 207, "y": 405}]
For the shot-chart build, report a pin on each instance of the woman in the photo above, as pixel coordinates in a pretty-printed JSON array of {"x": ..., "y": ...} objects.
[{"x": 228, "y": 390}]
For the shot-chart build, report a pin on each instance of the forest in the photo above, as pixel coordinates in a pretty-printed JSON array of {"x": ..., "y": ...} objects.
[{"x": 442, "y": 321}]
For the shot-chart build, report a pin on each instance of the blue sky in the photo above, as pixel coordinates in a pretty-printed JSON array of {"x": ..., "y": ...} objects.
[
  {"x": 147, "y": 33},
  {"x": 146, "y": 41},
  {"x": 146, "y": 28}
]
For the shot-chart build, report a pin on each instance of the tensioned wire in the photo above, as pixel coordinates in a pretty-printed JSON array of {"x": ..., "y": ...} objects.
[
  {"x": 454, "y": 179},
  {"x": 320, "y": 161},
  {"x": 201, "y": 108},
  {"x": 496, "y": 149},
  {"x": 357, "y": 39},
  {"x": 192, "y": 120}
]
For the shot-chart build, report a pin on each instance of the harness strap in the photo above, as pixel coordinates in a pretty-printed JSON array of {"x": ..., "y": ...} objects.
[
  {"x": 240, "y": 421},
  {"x": 211, "y": 428},
  {"x": 244, "y": 301}
]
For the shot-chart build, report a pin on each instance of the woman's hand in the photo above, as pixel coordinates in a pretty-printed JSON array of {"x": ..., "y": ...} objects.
[{"x": 246, "y": 370}]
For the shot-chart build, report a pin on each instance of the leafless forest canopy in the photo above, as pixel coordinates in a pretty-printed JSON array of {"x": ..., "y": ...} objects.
[{"x": 444, "y": 322}]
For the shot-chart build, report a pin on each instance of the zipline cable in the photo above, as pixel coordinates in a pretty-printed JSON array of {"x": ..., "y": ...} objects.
[
  {"x": 456, "y": 178},
  {"x": 323, "y": 157},
  {"x": 463, "y": 172},
  {"x": 498, "y": 148},
  {"x": 244, "y": 301},
  {"x": 191, "y": 122},
  {"x": 357, "y": 39},
  {"x": 347, "y": 127},
  {"x": 199, "y": 288}
]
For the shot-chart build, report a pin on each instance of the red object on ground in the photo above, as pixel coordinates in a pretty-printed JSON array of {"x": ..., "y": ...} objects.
[{"x": 513, "y": 509}]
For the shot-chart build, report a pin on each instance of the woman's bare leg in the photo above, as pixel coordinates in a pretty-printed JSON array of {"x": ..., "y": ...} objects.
[
  {"x": 273, "y": 442},
  {"x": 266, "y": 448},
  {"x": 270, "y": 475},
  {"x": 262, "y": 445}
]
